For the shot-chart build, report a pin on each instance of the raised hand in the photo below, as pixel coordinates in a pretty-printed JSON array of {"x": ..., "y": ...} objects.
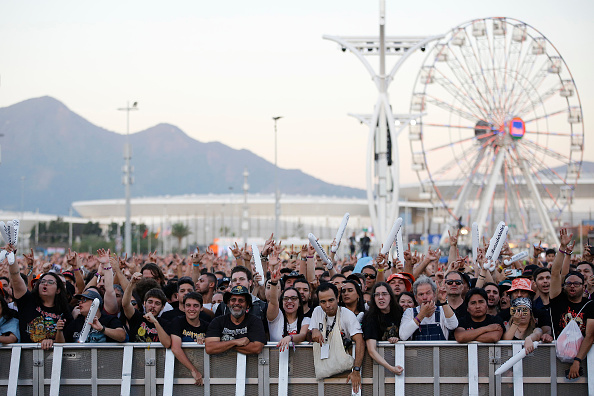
[
  {"x": 152, "y": 256},
  {"x": 103, "y": 256},
  {"x": 268, "y": 246},
  {"x": 29, "y": 259},
  {"x": 538, "y": 249},
  {"x": 454, "y": 238},
  {"x": 564, "y": 237}
]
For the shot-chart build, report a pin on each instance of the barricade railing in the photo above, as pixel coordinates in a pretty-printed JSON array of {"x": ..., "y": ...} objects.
[{"x": 446, "y": 368}]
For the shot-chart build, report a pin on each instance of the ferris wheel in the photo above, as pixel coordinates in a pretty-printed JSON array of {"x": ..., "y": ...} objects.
[{"x": 500, "y": 136}]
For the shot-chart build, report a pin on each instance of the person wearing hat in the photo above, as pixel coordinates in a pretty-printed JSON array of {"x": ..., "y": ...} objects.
[
  {"x": 289, "y": 279},
  {"x": 104, "y": 328},
  {"x": 399, "y": 283},
  {"x": 237, "y": 329},
  {"x": 522, "y": 287},
  {"x": 223, "y": 284},
  {"x": 522, "y": 325}
]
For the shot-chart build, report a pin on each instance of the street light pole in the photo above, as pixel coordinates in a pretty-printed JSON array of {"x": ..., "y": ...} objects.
[
  {"x": 276, "y": 192},
  {"x": 127, "y": 178}
]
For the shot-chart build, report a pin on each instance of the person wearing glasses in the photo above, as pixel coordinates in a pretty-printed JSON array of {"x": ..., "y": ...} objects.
[
  {"x": 351, "y": 297},
  {"x": 382, "y": 322},
  {"x": 522, "y": 326},
  {"x": 370, "y": 274},
  {"x": 567, "y": 301},
  {"x": 39, "y": 310},
  {"x": 286, "y": 322}
]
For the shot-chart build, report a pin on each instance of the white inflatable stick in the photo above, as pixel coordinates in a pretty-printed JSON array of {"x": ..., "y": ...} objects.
[
  {"x": 14, "y": 236},
  {"x": 516, "y": 257},
  {"x": 476, "y": 240},
  {"x": 320, "y": 250},
  {"x": 90, "y": 317},
  {"x": 340, "y": 232},
  {"x": 258, "y": 262},
  {"x": 399, "y": 246},
  {"x": 392, "y": 236},
  {"x": 513, "y": 360},
  {"x": 4, "y": 232},
  {"x": 495, "y": 240},
  {"x": 500, "y": 242}
]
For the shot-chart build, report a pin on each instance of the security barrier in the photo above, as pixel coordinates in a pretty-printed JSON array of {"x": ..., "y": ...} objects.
[{"x": 446, "y": 368}]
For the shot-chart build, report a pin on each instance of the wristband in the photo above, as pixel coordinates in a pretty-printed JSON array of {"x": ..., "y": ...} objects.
[
  {"x": 564, "y": 252},
  {"x": 102, "y": 330},
  {"x": 310, "y": 256},
  {"x": 106, "y": 268},
  {"x": 303, "y": 259},
  {"x": 418, "y": 321},
  {"x": 577, "y": 359},
  {"x": 273, "y": 283},
  {"x": 380, "y": 270},
  {"x": 196, "y": 265},
  {"x": 75, "y": 269},
  {"x": 30, "y": 272}
]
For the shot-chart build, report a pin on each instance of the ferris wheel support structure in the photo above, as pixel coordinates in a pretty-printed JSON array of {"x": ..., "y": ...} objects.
[{"x": 382, "y": 173}]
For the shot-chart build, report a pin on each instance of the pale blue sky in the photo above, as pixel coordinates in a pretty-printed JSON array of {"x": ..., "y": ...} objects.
[{"x": 220, "y": 70}]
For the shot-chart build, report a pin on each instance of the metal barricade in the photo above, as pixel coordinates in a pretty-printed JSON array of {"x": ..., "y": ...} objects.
[{"x": 446, "y": 368}]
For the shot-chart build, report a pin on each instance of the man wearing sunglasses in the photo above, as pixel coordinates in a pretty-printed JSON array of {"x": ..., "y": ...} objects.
[
  {"x": 454, "y": 288},
  {"x": 567, "y": 301},
  {"x": 370, "y": 274}
]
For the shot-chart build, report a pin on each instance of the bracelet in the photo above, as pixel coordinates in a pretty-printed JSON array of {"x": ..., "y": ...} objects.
[
  {"x": 273, "y": 283},
  {"x": 30, "y": 272},
  {"x": 380, "y": 270},
  {"x": 500, "y": 268},
  {"x": 482, "y": 276},
  {"x": 303, "y": 259},
  {"x": 75, "y": 269},
  {"x": 417, "y": 319},
  {"x": 577, "y": 359},
  {"x": 102, "y": 330},
  {"x": 196, "y": 265},
  {"x": 106, "y": 268},
  {"x": 310, "y": 256},
  {"x": 564, "y": 252}
]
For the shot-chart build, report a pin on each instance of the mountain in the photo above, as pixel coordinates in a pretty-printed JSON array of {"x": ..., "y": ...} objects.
[{"x": 65, "y": 158}]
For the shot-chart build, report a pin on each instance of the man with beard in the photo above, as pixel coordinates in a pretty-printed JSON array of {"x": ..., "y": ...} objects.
[
  {"x": 206, "y": 285},
  {"x": 399, "y": 283},
  {"x": 493, "y": 298},
  {"x": 586, "y": 268},
  {"x": 237, "y": 329},
  {"x": 567, "y": 302}
]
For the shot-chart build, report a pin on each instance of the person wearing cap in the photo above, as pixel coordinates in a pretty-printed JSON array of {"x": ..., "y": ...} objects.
[
  {"x": 289, "y": 279},
  {"x": 104, "y": 328},
  {"x": 477, "y": 324},
  {"x": 223, "y": 284},
  {"x": 522, "y": 325},
  {"x": 399, "y": 283},
  {"x": 237, "y": 329},
  {"x": 522, "y": 287},
  {"x": 567, "y": 301},
  {"x": 504, "y": 299}
]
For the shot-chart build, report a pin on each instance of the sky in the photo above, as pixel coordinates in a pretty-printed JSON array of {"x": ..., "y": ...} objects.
[{"x": 220, "y": 70}]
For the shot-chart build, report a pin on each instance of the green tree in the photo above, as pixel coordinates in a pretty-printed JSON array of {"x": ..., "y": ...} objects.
[{"x": 180, "y": 231}]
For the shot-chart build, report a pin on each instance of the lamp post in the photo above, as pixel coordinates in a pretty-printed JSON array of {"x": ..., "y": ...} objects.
[
  {"x": 276, "y": 193},
  {"x": 127, "y": 179}
]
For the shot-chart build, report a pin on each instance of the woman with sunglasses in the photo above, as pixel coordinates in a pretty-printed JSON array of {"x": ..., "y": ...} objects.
[
  {"x": 286, "y": 322},
  {"x": 382, "y": 323},
  {"x": 521, "y": 325},
  {"x": 351, "y": 297},
  {"x": 39, "y": 309}
]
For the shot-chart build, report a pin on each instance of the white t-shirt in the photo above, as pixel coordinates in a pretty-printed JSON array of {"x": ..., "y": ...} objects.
[
  {"x": 348, "y": 321},
  {"x": 276, "y": 326},
  {"x": 207, "y": 306}
]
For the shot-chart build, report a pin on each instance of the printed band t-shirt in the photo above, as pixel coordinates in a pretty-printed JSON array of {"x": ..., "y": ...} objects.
[
  {"x": 38, "y": 322},
  {"x": 141, "y": 330},
  {"x": 188, "y": 333},
  {"x": 251, "y": 327},
  {"x": 563, "y": 311}
]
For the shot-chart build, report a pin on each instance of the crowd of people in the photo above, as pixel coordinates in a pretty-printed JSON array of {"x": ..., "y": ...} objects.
[{"x": 226, "y": 304}]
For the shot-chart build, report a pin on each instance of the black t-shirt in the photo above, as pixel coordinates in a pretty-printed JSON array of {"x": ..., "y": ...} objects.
[
  {"x": 381, "y": 327},
  {"x": 181, "y": 328},
  {"x": 38, "y": 322},
  {"x": 461, "y": 312},
  {"x": 468, "y": 324},
  {"x": 541, "y": 317},
  {"x": 141, "y": 330},
  {"x": 73, "y": 330},
  {"x": 563, "y": 310},
  {"x": 251, "y": 327},
  {"x": 175, "y": 313}
]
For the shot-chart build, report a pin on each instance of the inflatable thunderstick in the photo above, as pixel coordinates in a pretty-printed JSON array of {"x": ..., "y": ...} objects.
[
  {"x": 476, "y": 241},
  {"x": 495, "y": 245},
  {"x": 320, "y": 251},
  {"x": 89, "y": 319},
  {"x": 258, "y": 263},
  {"x": 392, "y": 236},
  {"x": 340, "y": 232}
]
